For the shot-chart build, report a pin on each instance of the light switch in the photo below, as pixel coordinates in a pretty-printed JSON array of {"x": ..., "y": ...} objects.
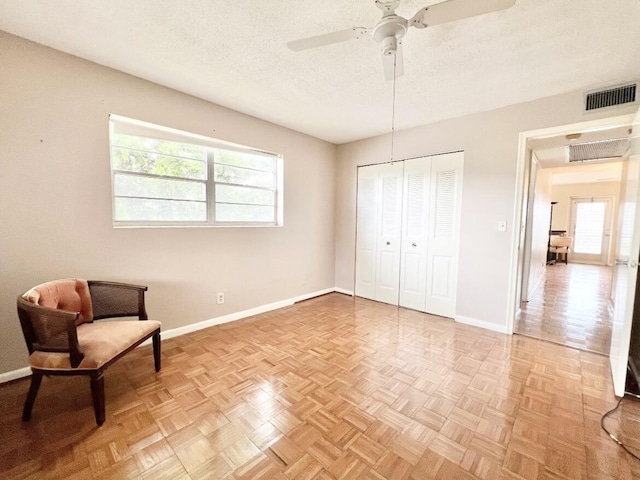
[{"x": 502, "y": 225}]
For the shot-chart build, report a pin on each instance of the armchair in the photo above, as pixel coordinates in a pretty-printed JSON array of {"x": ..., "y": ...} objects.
[
  {"x": 58, "y": 323},
  {"x": 560, "y": 245}
]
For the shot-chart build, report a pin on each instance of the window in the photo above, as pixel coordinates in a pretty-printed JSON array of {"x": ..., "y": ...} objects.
[{"x": 166, "y": 177}]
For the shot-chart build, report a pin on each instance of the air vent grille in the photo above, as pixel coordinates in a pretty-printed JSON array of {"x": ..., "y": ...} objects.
[
  {"x": 610, "y": 97},
  {"x": 583, "y": 152}
]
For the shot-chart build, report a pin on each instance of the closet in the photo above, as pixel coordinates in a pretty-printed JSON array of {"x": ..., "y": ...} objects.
[{"x": 407, "y": 232}]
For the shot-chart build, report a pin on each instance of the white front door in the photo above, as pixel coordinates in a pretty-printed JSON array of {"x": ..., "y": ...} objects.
[
  {"x": 591, "y": 230},
  {"x": 626, "y": 265}
]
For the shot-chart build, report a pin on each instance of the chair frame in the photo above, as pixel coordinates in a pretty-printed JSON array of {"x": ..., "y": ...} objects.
[
  {"x": 67, "y": 322},
  {"x": 554, "y": 248}
]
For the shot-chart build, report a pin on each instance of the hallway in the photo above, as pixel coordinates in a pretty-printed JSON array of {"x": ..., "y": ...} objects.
[{"x": 571, "y": 307}]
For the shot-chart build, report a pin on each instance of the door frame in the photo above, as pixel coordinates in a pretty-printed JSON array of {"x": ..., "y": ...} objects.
[{"x": 519, "y": 221}]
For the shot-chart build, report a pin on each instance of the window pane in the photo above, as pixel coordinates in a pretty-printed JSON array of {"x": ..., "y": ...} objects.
[
  {"x": 178, "y": 149},
  {"x": 158, "y": 157},
  {"x": 241, "y": 176},
  {"x": 138, "y": 186},
  {"x": 233, "y": 194},
  {"x": 152, "y": 163},
  {"x": 247, "y": 160},
  {"x": 244, "y": 213},
  {"x": 159, "y": 210}
]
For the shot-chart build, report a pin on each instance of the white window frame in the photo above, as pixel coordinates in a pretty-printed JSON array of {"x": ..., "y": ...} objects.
[{"x": 139, "y": 128}]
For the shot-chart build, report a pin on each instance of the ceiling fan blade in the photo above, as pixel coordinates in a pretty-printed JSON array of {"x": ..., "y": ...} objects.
[
  {"x": 453, "y": 10},
  {"x": 388, "y": 61},
  {"x": 328, "y": 39}
]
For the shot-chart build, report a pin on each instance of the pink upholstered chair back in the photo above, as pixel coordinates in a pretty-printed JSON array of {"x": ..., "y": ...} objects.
[{"x": 71, "y": 294}]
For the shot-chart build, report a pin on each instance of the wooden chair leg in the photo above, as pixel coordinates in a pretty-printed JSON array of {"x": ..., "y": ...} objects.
[
  {"x": 36, "y": 379},
  {"x": 97, "y": 393},
  {"x": 156, "y": 351}
]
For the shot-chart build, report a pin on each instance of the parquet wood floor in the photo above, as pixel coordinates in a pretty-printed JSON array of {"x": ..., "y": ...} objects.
[
  {"x": 571, "y": 307},
  {"x": 331, "y": 388}
]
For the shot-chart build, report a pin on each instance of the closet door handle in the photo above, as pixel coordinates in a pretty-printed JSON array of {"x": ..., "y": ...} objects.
[
  {"x": 414, "y": 245},
  {"x": 388, "y": 243}
]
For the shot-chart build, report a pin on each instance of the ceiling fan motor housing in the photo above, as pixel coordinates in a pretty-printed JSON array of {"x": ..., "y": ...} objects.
[
  {"x": 389, "y": 45},
  {"x": 388, "y": 31}
]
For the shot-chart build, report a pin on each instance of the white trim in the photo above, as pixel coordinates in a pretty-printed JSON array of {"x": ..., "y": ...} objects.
[
  {"x": 592, "y": 125},
  {"x": 474, "y": 322},
  {"x": 177, "y": 332},
  {"x": 140, "y": 128},
  {"x": 232, "y": 317},
  {"x": 15, "y": 374},
  {"x": 539, "y": 282},
  {"x": 344, "y": 291}
]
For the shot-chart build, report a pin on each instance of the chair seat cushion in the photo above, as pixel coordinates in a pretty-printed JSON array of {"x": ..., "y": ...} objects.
[{"x": 100, "y": 342}]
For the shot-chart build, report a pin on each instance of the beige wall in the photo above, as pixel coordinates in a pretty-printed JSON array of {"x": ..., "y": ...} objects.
[
  {"x": 490, "y": 144},
  {"x": 55, "y": 194}
]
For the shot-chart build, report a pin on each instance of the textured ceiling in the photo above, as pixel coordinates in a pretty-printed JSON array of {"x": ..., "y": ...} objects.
[{"x": 234, "y": 54}]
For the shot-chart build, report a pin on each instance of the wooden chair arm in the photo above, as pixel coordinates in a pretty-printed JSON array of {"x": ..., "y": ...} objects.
[
  {"x": 115, "y": 299},
  {"x": 50, "y": 330}
]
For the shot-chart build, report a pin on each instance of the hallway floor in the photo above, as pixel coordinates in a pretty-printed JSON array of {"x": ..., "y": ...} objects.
[{"x": 571, "y": 308}]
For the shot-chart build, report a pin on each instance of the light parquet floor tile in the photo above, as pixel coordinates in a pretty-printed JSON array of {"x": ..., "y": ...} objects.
[
  {"x": 570, "y": 307},
  {"x": 330, "y": 388}
]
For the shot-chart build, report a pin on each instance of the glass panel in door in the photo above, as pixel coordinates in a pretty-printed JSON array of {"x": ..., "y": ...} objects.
[{"x": 590, "y": 226}]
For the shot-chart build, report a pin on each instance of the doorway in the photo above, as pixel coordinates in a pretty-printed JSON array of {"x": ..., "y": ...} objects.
[
  {"x": 566, "y": 298},
  {"x": 569, "y": 303}
]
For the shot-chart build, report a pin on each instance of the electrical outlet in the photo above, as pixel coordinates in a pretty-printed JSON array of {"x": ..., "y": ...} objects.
[{"x": 220, "y": 297}]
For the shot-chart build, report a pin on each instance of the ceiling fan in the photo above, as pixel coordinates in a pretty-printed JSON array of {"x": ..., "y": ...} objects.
[{"x": 391, "y": 28}]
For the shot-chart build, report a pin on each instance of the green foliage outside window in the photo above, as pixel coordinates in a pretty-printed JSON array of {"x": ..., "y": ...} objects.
[{"x": 167, "y": 181}]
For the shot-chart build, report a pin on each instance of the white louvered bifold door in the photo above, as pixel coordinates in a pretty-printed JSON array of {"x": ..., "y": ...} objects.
[
  {"x": 443, "y": 233},
  {"x": 408, "y": 222},
  {"x": 389, "y": 233},
  {"x": 367, "y": 231},
  {"x": 415, "y": 217}
]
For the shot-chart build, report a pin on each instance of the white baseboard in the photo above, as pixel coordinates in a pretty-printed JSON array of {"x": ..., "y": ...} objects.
[
  {"x": 232, "y": 317},
  {"x": 15, "y": 374},
  {"x": 474, "y": 322},
  {"x": 344, "y": 291},
  {"x": 176, "y": 332}
]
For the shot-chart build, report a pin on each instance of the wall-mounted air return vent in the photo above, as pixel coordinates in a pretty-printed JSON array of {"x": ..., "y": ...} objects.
[
  {"x": 583, "y": 152},
  {"x": 611, "y": 97}
]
